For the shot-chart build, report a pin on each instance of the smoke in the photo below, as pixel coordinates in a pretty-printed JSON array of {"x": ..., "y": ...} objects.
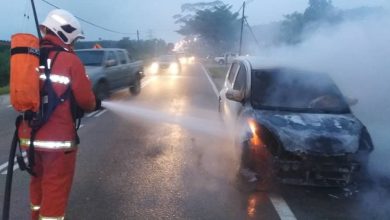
[{"x": 356, "y": 55}]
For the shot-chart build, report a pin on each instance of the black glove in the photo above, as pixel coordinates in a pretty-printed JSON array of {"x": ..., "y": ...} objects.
[{"x": 98, "y": 104}]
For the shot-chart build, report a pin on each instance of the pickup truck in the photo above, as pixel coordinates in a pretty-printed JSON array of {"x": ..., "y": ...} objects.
[
  {"x": 110, "y": 69},
  {"x": 225, "y": 58}
]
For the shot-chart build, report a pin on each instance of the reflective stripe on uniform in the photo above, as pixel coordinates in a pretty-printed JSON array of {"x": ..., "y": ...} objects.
[
  {"x": 54, "y": 145},
  {"x": 35, "y": 207},
  {"x": 51, "y": 218},
  {"x": 56, "y": 78}
]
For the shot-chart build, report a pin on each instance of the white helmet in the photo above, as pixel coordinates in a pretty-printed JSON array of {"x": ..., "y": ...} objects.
[{"x": 64, "y": 25}]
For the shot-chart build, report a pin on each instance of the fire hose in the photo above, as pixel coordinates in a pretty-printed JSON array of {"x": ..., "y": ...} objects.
[{"x": 14, "y": 145}]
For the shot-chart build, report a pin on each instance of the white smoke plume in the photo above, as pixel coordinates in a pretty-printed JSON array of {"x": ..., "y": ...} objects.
[{"x": 357, "y": 56}]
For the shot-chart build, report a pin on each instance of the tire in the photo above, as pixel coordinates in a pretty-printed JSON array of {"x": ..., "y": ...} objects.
[
  {"x": 102, "y": 90},
  {"x": 221, "y": 62},
  {"x": 135, "y": 89},
  {"x": 256, "y": 161},
  {"x": 363, "y": 175},
  {"x": 247, "y": 158}
]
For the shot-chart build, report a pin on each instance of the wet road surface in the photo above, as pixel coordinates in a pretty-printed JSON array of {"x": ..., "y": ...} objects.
[{"x": 135, "y": 168}]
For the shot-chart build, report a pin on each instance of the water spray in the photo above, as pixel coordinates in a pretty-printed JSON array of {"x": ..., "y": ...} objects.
[{"x": 205, "y": 123}]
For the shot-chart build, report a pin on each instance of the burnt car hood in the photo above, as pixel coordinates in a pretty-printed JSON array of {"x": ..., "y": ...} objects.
[{"x": 312, "y": 133}]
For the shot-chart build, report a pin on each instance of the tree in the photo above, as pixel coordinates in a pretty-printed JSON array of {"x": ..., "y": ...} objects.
[
  {"x": 4, "y": 65},
  {"x": 292, "y": 27},
  {"x": 142, "y": 49},
  {"x": 213, "y": 22},
  {"x": 318, "y": 12}
]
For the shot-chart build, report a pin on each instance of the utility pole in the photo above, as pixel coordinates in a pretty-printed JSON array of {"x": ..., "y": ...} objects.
[
  {"x": 242, "y": 27},
  {"x": 138, "y": 35}
]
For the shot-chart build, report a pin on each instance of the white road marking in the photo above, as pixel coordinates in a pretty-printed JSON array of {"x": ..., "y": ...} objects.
[
  {"x": 146, "y": 82},
  {"x": 91, "y": 114},
  {"x": 81, "y": 126},
  {"x": 100, "y": 113},
  {"x": 210, "y": 80},
  {"x": 281, "y": 207},
  {"x": 16, "y": 166},
  {"x": 5, "y": 165}
]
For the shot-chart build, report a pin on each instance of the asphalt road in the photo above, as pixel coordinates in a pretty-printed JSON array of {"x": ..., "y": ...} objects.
[{"x": 135, "y": 164}]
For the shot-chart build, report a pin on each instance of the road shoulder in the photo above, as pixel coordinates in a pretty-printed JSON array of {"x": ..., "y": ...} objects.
[
  {"x": 4, "y": 100},
  {"x": 216, "y": 73}
]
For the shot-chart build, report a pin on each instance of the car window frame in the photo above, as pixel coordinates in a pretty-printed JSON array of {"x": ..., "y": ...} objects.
[
  {"x": 231, "y": 81},
  {"x": 115, "y": 57},
  {"x": 121, "y": 57},
  {"x": 242, "y": 66}
]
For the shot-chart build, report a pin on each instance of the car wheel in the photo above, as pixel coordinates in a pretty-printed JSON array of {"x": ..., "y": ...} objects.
[
  {"x": 258, "y": 162},
  {"x": 247, "y": 158},
  {"x": 102, "y": 90},
  {"x": 363, "y": 175},
  {"x": 221, "y": 62},
  {"x": 135, "y": 89}
]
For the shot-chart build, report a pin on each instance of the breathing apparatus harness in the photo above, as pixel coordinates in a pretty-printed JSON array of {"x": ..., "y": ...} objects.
[{"x": 49, "y": 102}]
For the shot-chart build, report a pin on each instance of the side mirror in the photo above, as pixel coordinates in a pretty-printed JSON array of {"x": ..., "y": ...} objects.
[
  {"x": 235, "y": 95},
  {"x": 111, "y": 62}
]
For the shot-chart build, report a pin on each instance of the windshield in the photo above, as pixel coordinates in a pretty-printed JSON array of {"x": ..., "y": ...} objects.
[
  {"x": 291, "y": 90},
  {"x": 91, "y": 58}
]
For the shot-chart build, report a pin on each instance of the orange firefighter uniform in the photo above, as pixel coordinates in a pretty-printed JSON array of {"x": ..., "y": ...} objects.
[{"x": 55, "y": 142}]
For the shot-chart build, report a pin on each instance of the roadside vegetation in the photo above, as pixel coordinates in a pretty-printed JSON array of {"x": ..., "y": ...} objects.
[
  {"x": 137, "y": 49},
  {"x": 217, "y": 71},
  {"x": 4, "y": 67},
  {"x": 4, "y": 90}
]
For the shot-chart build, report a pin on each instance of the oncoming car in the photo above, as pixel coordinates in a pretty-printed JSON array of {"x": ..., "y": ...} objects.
[
  {"x": 166, "y": 64},
  {"x": 293, "y": 125},
  {"x": 185, "y": 59}
]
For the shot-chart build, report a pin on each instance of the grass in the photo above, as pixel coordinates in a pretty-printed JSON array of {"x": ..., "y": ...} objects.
[
  {"x": 217, "y": 71},
  {"x": 4, "y": 90}
]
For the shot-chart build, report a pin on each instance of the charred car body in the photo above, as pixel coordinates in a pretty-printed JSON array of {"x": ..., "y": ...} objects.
[{"x": 294, "y": 125}]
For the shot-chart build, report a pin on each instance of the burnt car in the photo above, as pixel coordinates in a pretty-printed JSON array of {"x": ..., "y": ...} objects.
[{"x": 293, "y": 125}]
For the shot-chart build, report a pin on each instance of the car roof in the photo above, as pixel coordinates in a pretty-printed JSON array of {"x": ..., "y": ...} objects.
[
  {"x": 259, "y": 63},
  {"x": 262, "y": 63}
]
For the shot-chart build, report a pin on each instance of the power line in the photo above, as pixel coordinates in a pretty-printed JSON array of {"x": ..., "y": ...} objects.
[
  {"x": 239, "y": 10},
  {"x": 253, "y": 34},
  {"x": 91, "y": 23}
]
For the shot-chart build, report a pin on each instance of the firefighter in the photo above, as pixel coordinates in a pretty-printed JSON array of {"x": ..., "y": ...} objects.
[{"x": 56, "y": 141}]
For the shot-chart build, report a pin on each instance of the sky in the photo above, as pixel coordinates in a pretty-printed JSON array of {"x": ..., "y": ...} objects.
[{"x": 153, "y": 18}]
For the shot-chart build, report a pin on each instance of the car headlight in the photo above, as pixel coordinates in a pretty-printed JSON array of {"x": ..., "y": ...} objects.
[
  {"x": 154, "y": 68},
  {"x": 183, "y": 60},
  {"x": 174, "y": 68}
]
